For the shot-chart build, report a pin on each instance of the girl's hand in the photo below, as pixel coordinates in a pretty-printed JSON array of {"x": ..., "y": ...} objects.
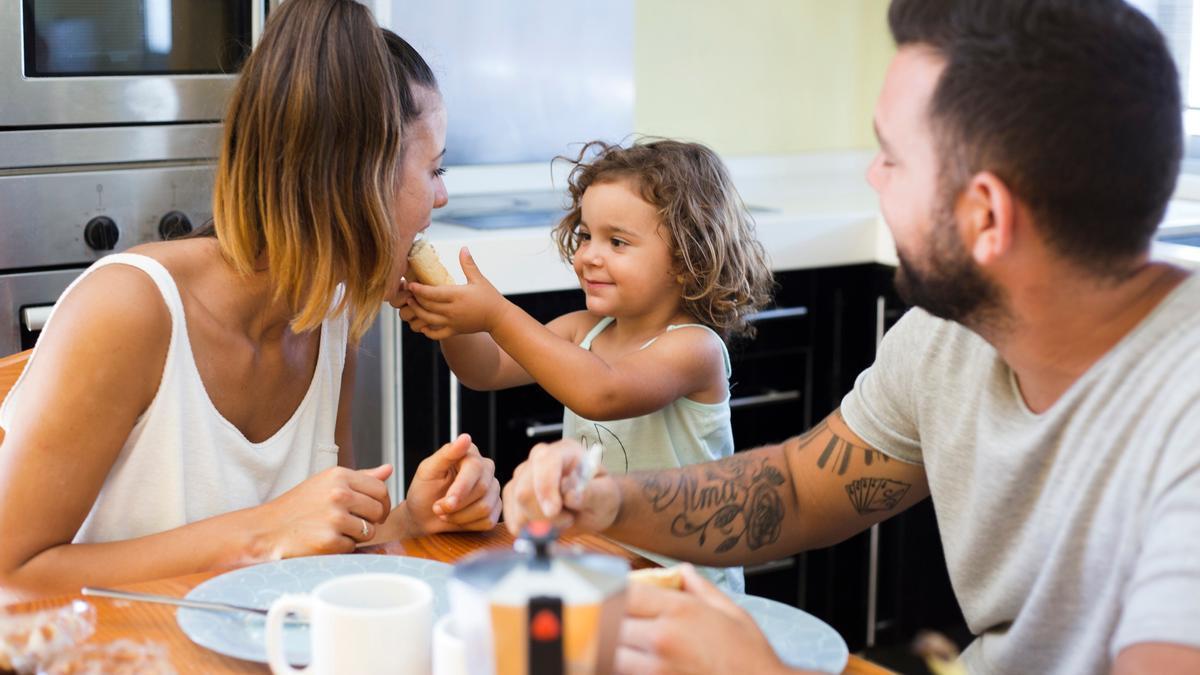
[
  {"x": 330, "y": 512},
  {"x": 440, "y": 312},
  {"x": 453, "y": 489},
  {"x": 405, "y": 304}
]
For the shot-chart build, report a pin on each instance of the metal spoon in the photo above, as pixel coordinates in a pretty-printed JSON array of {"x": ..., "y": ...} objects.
[{"x": 170, "y": 600}]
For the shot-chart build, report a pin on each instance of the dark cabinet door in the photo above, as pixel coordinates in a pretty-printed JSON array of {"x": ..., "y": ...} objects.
[{"x": 771, "y": 400}]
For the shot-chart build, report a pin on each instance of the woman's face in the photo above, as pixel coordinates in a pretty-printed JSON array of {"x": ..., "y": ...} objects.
[{"x": 421, "y": 189}]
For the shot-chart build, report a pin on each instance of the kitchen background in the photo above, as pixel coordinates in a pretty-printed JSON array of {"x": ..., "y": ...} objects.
[{"x": 100, "y": 151}]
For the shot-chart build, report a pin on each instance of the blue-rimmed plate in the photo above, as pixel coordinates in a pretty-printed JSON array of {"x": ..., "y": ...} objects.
[
  {"x": 243, "y": 635},
  {"x": 800, "y": 639}
]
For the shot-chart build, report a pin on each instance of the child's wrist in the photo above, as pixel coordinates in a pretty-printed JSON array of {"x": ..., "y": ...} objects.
[{"x": 499, "y": 314}]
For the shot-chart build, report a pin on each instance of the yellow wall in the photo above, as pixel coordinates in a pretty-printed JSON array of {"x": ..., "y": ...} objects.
[{"x": 760, "y": 76}]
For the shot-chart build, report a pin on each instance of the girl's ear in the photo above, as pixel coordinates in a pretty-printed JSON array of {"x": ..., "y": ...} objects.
[{"x": 986, "y": 215}]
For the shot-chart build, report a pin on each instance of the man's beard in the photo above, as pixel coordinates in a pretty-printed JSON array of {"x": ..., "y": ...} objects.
[{"x": 949, "y": 284}]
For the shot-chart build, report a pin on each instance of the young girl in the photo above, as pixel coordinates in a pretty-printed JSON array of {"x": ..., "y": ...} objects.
[{"x": 666, "y": 255}]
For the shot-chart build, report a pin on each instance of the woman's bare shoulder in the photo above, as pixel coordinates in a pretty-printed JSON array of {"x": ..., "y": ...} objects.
[
  {"x": 184, "y": 259},
  {"x": 107, "y": 338}
]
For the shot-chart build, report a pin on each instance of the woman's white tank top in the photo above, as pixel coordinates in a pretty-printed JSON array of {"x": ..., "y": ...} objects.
[{"x": 183, "y": 461}]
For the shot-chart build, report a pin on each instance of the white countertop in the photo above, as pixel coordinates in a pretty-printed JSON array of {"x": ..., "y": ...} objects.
[{"x": 820, "y": 212}]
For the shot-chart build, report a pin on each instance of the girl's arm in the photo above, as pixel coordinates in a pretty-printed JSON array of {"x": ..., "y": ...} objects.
[
  {"x": 474, "y": 357},
  {"x": 680, "y": 363},
  {"x": 480, "y": 363},
  {"x": 96, "y": 371}
]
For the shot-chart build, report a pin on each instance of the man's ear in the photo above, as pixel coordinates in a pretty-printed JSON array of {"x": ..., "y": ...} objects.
[{"x": 986, "y": 214}]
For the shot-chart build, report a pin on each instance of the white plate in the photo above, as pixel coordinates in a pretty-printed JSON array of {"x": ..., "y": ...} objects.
[
  {"x": 800, "y": 639},
  {"x": 242, "y": 635}
]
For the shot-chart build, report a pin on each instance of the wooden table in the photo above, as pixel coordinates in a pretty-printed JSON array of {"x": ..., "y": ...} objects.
[{"x": 116, "y": 619}]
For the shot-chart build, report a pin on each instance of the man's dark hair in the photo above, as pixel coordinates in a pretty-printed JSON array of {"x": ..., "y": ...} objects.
[{"x": 1074, "y": 104}]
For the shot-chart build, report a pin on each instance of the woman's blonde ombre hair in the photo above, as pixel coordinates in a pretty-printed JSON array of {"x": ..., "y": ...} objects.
[{"x": 310, "y": 161}]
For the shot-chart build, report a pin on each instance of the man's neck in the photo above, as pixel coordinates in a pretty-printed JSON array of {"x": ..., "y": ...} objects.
[{"x": 1060, "y": 328}]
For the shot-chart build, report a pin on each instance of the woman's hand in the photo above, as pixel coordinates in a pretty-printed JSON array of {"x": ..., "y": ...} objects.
[
  {"x": 439, "y": 312},
  {"x": 455, "y": 488},
  {"x": 545, "y": 487},
  {"x": 697, "y": 630},
  {"x": 330, "y": 512}
]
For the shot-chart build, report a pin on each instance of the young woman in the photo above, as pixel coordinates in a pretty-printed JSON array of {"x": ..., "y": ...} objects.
[{"x": 188, "y": 405}]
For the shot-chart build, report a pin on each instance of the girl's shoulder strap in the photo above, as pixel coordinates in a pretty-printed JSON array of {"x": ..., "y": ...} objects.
[{"x": 586, "y": 342}]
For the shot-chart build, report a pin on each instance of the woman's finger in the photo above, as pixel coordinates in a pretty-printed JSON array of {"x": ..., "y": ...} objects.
[
  {"x": 356, "y": 528},
  {"x": 458, "y": 495},
  {"x": 363, "y": 482},
  {"x": 478, "y": 508},
  {"x": 362, "y": 506}
]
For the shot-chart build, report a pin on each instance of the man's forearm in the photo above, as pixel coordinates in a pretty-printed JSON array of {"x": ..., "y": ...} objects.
[
  {"x": 739, "y": 510},
  {"x": 810, "y": 491}
]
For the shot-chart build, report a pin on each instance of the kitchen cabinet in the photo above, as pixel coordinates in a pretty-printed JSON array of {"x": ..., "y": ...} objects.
[{"x": 820, "y": 332}]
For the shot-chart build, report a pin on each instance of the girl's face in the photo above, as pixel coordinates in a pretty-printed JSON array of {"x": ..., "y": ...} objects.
[
  {"x": 420, "y": 189},
  {"x": 624, "y": 260}
]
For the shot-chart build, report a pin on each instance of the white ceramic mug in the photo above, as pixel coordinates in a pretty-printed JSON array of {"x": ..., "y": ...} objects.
[
  {"x": 360, "y": 624},
  {"x": 449, "y": 649}
]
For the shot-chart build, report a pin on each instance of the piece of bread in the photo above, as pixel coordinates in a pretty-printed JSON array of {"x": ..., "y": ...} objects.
[
  {"x": 664, "y": 577},
  {"x": 424, "y": 267}
]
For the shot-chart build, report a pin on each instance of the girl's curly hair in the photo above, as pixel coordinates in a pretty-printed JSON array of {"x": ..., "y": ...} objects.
[{"x": 719, "y": 262}]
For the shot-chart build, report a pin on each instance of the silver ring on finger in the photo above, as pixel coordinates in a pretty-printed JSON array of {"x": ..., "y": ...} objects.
[{"x": 366, "y": 531}]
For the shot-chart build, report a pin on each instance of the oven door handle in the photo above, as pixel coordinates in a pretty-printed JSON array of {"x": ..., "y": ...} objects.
[{"x": 34, "y": 318}]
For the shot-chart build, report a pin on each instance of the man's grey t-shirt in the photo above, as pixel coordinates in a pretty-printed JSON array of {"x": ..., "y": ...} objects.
[{"x": 1070, "y": 534}]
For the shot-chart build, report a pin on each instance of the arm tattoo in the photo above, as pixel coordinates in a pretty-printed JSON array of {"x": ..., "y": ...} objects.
[
  {"x": 841, "y": 450},
  {"x": 874, "y": 495},
  {"x": 731, "y": 499}
]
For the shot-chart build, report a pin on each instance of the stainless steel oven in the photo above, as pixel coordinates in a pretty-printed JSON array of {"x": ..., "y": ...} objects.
[
  {"x": 110, "y": 62},
  {"x": 109, "y": 126}
]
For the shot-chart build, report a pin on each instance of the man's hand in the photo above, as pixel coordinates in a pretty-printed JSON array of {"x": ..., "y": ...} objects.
[
  {"x": 455, "y": 488},
  {"x": 445, "y": 311},
  {"x": 698, "y": 630},
  {"x": 545, "y": 486}
]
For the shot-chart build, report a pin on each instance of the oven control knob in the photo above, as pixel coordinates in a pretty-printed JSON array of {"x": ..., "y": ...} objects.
[
  {"x": 173, "y": 225},
  {"x": 101, "y": 233}
]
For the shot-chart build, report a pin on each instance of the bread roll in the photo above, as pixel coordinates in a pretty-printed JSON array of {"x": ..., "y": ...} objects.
[
  {"x": 424, "y": 267},
  {"x": 664, "y": 577}
]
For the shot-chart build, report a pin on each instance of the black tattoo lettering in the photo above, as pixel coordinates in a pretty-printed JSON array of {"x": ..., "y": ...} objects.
[
  {"x": 743, "y": 491},
  {"x": 875, "y": 495}
]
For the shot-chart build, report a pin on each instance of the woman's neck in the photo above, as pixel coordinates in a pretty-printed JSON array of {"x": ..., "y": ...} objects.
[{"x": 244, "y": 303}]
